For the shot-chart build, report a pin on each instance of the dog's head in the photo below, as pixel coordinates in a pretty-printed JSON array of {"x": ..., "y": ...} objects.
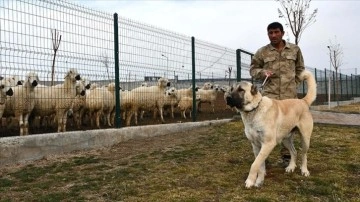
[{"x": 244, "y": 96}]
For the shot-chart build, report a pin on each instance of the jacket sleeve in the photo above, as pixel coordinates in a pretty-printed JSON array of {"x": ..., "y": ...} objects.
[
  {"x": 256, "y": 66},
  {"x": 299, "y": 66}
]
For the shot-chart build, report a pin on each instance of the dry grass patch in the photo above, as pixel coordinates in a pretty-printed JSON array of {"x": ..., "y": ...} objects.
[
  {"x": 208, "y": 164},
  {"x": 353, "y": 108}
]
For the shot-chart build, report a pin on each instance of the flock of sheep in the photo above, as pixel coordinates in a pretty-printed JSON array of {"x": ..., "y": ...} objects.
[{"x": 76, "y": 97}]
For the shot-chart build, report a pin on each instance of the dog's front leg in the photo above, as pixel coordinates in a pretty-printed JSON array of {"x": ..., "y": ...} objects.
[{"x": 257, "y": 169}]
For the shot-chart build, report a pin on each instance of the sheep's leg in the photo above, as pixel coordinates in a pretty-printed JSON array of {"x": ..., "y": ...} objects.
[
  {"x": 97, "y": 115},
  {"x": 141, "y": 114},
  {"x": 64, "y": 123},
  {"x": 26, "y": 124},
  {"x": 21, "y": 123},
  {"x": 161, "y": 111},
  {"x": 183, "y": 113},
  {"x": 128, "y": 117},
  {"x": 108, "y": 119},
  {"x": 172, "y": 111},
  {"x": 136, "y": 116},
  {"x": 59, "y": 117}
]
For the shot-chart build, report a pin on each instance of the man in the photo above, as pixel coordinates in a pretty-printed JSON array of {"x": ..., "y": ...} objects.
[{"x": 280, "y": 64}]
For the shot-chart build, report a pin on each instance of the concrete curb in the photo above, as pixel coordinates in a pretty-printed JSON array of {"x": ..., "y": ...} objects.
[{"x": 29, "y": 148}]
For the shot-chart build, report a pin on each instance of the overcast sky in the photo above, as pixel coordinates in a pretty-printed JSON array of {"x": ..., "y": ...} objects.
[{"x": 242, "y": 24}]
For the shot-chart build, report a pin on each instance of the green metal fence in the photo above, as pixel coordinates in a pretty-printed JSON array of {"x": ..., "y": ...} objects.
[{"x": 50, "y": 37}]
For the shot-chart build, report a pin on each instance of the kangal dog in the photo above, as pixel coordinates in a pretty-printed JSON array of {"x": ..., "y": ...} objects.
[{"x": 269, "y": 122}]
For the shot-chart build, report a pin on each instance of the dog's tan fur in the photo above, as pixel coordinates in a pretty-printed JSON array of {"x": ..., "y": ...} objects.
[{"x": 269, "y": 122}]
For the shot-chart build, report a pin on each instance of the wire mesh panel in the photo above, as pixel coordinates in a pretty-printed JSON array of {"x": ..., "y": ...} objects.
[
  {"x": 69, "y": 50},
  {"x": 53, "y": 38}
]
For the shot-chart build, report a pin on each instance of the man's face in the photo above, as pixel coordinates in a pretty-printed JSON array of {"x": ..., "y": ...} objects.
[{"x": 275, "y": 36}]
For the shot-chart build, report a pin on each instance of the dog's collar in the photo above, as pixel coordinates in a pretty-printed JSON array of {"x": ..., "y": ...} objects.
[{"x": 253, "y": 109}]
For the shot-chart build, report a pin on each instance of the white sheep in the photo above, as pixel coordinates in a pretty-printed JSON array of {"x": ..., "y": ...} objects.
[
  {"x": 57, "y": 99},
  {"x": 21, "y": 104},
  {"x": 145, "y": 98},
  {"x": 170, "y": 100},
  {"x": 186, "y": 92},
  {"x": 209, "y": 96},
  {"x": 14, "y": 80},
  {"x": 78, "y": 107},
  {"x": 207, "y": 86},
  {"x": 5, "y": 90},
  {"x": 101, "y": 101},
  {"x": 186, "y": 103}
]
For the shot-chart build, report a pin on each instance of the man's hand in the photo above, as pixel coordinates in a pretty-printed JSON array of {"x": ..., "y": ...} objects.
[{"x": 268, "y": 73}]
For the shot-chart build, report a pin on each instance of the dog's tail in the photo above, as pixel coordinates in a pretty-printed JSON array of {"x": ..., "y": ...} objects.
[{"x": 311, "y": 84}]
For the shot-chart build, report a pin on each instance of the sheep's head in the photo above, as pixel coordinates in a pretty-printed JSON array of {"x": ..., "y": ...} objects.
[
  {"x": 207, "y": 86},
  {"x": 144, "y": 84},
  {"x": 163, "y": 82},
  {"x": 171, "y": 91},
  {"x": 80, "y": 88},
  {"x": 5, "y": 87},
  {"x": 216, "y": 87},
  {"x": 14, "y": 80},
  {"x": 111, "y": 87},
  {"x": 73, "y": 75},
  {"x": 32, "y": 79}
]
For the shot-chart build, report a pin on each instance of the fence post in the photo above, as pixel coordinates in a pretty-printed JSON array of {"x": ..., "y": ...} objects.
[
  {"x": 341, "y": 87},
  {"x": 334, "y": 87},
  {"x": 238, "y": 65},
  {"x": 326, "y": 89},
  {"x": 352, "y": 87},
  {"x": 116, "y": 58},
  {"x": 193, "y": 79},
  {"x": 347, "y": 89}
]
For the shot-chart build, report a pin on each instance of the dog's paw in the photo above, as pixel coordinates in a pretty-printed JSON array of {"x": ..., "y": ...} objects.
[
  {"x": 258, "y": 184},
  {"x": 305, "y": 172},
  {"x": 290, "y": 169},
  {"x": 249, "y": 183}
]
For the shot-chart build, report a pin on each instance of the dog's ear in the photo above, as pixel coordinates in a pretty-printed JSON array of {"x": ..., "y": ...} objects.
[{"x": 254, "y": 90}]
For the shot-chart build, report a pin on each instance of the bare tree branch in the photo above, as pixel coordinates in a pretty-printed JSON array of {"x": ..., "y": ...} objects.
[
  {"x": 296, "y": 16},
  {"x": 56, "y": 39}
]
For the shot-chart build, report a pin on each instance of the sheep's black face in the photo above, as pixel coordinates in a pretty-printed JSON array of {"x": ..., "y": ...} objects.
[
  {"x": 77, "y": 77},
  {"x": 168, "y": 84},
  {"x": 19, "y": 83},
  {"x": 34, "y": 83},
  {"x": 9, "y": 92},
  {"x": 82, "y": 93},
  {"x": 88, "y": 86}
]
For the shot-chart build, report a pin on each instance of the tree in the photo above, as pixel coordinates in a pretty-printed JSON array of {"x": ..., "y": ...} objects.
[
  {"x": 296, "y": 16},
  {"x": 336, "y": 59},
  {"x": 56, "y": 39},
  {"x": 105, "y": 61}
]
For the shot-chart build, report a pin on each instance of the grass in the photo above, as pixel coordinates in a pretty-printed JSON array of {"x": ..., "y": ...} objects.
[
  {"x": 202, "y": 165},
  {"x": 353, "y": 108}
]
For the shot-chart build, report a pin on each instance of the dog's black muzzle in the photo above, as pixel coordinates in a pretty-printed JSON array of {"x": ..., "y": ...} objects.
[{"x": 230, "y": 101}]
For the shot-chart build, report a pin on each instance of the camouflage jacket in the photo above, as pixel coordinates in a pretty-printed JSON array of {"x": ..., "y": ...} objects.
[{"x": 286, "y": 67}]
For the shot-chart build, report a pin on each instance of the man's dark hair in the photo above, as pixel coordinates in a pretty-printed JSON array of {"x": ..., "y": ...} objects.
[{"x": 275, "y": 25}]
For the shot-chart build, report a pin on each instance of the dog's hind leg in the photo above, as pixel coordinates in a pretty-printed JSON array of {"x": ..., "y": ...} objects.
[
  {"x": 305, "y": 141},
  {"x": 288, "y": 142}
]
